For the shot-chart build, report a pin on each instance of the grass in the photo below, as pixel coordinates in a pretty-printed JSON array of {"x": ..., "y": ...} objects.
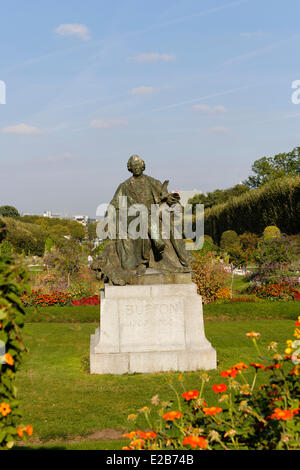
[
  {"x": 225, "y": 311},
  {"x": 64, "y": 402},
  {"x": 239, "y": 284},
  {"x": 252, "y": 310},
  {"x": 65, "y": 314}
]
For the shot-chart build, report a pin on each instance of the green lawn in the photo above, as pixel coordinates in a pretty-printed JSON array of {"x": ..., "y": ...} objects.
[
  {"x": 224, "y": 311},
  {"x": 64, "y": 402}
]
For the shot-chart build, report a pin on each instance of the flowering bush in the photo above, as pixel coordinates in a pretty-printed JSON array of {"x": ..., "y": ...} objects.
[
  {"x": 247, "y": 417},
  {"x": 275, "y": 292},
  {"x": 224, "y": 293},
  {"x": 274, "y": 257},
  {"x": 12, "y": 279},
  {"x": 240, "y": 258},
  {"x": 209, "y": 275},
  {"x": 94, "y": 300}
]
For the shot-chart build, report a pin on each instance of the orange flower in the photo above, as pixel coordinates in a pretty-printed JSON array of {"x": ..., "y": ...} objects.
[
  {"x": 171, "y": 415},
  {"x": 138, "y": 443},
  {"x": 29, "y": 430},
  {"x": 253, "y": 334},
  {"x": 20, "y": 432},
  {"x": 5, "y": 409},
  {"x": 195, "y": 441},
  {"x": 282, "y": 414},
  {"x": 130, "y": 435},
  {"x": 274, "y": 366},
  {"x": 190, "y": 395},
  {"x": 230, "y": 373},
  {"x": 240, "y": 366},
  {"x": 213, "y": 410},
  {"x": 257, "y": 366},
  {"x": 9, "y": 359},
  {"x": 295, "y": 370},
  {"x": 147, "y": 435},
  {"x": 220, "y": 388}
]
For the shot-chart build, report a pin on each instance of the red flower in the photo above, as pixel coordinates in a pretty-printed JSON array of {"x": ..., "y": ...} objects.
[
  {"x": 229, "y": 373},
  {"x": 220, "y": 388},
  {"x": 190, "y": 395},
  {"x": 195, "y": 441},
  {"x": 282, "y": 414},
  {"x": 213, "y": 410},
  {"x": 171, "y": 415},
  {"x": 257, "y": 366}
]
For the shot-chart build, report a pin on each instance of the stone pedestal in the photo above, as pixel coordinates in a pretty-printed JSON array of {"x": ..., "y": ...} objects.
[{"x": 151, "y": 328}]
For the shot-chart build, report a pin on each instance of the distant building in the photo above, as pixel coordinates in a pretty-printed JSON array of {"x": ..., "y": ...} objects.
[
  {"x": 186, "y": 195},
  {"x": 82, "y": 219},
  {"x": 51, "y": 215}
]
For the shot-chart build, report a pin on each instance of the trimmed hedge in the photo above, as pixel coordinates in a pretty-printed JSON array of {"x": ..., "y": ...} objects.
[{"x": 276, "y": 203}]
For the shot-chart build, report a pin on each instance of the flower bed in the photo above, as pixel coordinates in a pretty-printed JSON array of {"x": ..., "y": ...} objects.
[
  {"x": 37, "y": 298},
  {"x": 247, "y": 417},
  {"x": 278, "y": 291},
  {"x": 94, "y": 300},
  {"x": 58, "y": 299}
]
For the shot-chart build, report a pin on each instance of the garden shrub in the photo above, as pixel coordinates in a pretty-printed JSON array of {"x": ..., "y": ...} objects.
[
  {"x": 229, "y": 240},
  {"x": 271, "y": 232},
  {"x": 209, "y": 275},
  {"x": 249, "y": 241},
  {"x": 246, "y": 417},
  {"x": 12, "y": 279},
  {"x": 274, "y": 257}
]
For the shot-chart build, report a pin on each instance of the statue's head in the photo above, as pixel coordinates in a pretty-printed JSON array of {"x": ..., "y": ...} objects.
[{"x": 136, "y": 165}]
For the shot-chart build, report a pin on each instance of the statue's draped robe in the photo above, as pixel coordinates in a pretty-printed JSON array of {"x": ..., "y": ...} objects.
[{"x": 133, "y": 253}]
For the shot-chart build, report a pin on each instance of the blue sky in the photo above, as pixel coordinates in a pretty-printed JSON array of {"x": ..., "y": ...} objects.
[{"x": 199, "y": 88}]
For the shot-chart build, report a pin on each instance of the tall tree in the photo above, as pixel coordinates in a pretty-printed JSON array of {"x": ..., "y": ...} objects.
[
  {"x": 267, "y": 169},
  {"x": 9, "y": 211}
]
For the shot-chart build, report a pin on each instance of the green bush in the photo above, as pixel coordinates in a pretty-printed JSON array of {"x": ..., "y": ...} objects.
[
  {"x": 249, "y": 241},
  {"x": 12, "y": 278},
  {"x": 271, "y": 232},
  {"x": 229, "y": 240}
]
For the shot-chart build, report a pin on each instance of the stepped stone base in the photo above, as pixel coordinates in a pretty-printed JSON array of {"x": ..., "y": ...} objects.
[{"x": 150, "y": 328}]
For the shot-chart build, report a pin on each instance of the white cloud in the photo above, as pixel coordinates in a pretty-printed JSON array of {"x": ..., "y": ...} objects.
[
  {"x": 22, "y": 129},
  {"x": 75, "y": 29},
  {"x": 153, "y": 57},
  {"x": 218, "y": 130},
  {"x": 206, "y": 109},
  {"x": 108, "y": 123},
  {"x": 143, "y": 90}
]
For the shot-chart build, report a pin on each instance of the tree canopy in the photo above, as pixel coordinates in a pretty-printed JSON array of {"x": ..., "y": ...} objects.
[
  {"x": 218, "y": 196},
  {"x": 267, "y": 169},
  {"x": 9, "y": 211}
]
